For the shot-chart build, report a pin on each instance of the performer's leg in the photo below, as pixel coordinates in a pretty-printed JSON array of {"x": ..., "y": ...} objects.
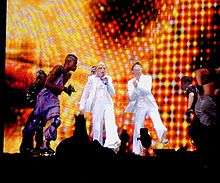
[
  {"x": 97, "y": 123},
  {"x": 39, "y": 136},
  {"x": 28, "y": 133},
  {"x": 51, "y": 132},
  {"x": 139, "y": 117},
  {"x": 112, "y": 140},
  {"x": 158, "y": 124}
]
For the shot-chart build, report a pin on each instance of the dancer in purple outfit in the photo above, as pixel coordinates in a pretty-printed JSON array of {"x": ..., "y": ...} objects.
[{"x": 47, "y": 106}]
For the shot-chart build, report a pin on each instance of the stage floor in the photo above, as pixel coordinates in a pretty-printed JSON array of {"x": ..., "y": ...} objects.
[{"x": 162, "y": 158}]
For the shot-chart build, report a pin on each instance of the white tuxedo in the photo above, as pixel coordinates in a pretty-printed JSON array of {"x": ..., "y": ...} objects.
[
  {"x": 142, "y": 103},
  {"x": 97, "y": 99}
]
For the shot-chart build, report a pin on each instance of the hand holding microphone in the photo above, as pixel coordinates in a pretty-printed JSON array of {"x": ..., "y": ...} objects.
[
  {"x": 135, "y": 83},
  {"x": 104, "y": 80}
]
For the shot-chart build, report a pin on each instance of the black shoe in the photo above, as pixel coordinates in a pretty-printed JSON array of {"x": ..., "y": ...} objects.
[
  {"x": 37, "y": 152},
  {"x": 46, "y": 151},
  {"x": 26, "y": 151},
  {"x": 50, "y": 151}
]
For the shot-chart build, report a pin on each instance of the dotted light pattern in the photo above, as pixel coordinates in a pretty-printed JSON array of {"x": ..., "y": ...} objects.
[{"x": 164, "y": 35}]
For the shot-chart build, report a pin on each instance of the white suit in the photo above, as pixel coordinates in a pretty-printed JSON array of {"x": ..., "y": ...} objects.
[
  {"x": 142, "y": 103},
  {"x": 97, "y": 99}
]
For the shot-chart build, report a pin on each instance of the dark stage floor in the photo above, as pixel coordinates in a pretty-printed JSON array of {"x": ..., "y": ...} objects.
[{"x": 162, "y": 158}]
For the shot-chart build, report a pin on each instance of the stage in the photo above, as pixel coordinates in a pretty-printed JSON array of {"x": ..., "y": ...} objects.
[{"x": 162, "y": 159}]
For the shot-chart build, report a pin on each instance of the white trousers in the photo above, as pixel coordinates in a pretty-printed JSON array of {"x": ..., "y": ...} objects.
[
  {"x": 139, "y": 118},
  {"x": 103, "y": 115}
]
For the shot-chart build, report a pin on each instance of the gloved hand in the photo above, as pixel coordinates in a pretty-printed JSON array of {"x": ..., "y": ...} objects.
[
  {"x": 69, "y": 90},
  {"x": 189, "y": 112}
]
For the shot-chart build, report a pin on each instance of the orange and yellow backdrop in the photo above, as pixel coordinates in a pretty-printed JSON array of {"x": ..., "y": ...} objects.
[{"x": 166, "y": 36}]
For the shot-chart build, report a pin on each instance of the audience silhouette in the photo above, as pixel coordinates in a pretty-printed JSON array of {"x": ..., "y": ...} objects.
[{"x": 79, "y": 146}]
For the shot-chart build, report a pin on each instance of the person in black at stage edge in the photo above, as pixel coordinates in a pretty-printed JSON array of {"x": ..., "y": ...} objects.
[
  {"x": 30, "y": 101},
  {"x": 203, "y": 101},
  {"x": 192, "y": 92},
  {"x": 206, "y": 109}
]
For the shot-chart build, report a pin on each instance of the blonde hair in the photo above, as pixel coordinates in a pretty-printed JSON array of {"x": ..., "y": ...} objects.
[{"x": 100, "y": 64}]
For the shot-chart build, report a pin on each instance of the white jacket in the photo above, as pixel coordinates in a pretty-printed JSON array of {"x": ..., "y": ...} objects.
[
  {"x": 89, "y": 93},
  {"x": 143, "y": 89}
]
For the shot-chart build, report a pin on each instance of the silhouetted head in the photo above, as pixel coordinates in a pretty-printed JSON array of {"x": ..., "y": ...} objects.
[
  {"x": 124, "y": 136},
  {"x": 145, "y": 138}
]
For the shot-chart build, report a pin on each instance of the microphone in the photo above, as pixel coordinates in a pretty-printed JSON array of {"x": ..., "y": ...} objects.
[{"x": 104, "y": 80}]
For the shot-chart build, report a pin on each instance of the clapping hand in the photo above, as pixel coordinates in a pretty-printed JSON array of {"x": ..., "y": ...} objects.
[{"x": 135, "y": 83}]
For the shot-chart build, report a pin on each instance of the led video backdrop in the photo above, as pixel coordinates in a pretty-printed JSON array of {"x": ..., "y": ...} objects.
[{"x": 167, "y": 36}]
